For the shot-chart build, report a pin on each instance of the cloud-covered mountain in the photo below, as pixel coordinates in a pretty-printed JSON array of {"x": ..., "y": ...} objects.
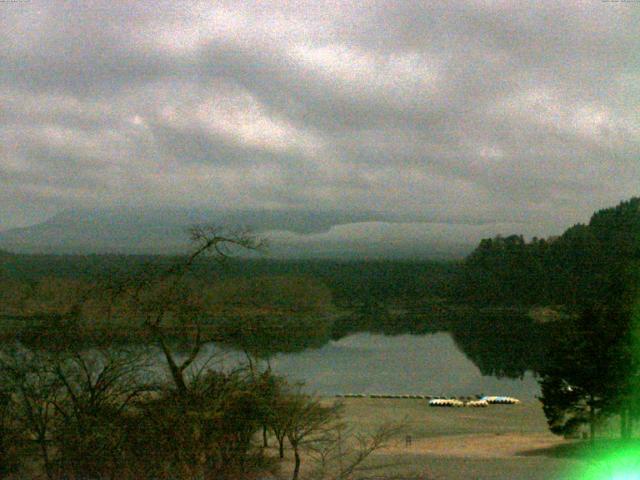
[
  {"x": 291, "y": 234},
  {"x": 126, "y": 230}
]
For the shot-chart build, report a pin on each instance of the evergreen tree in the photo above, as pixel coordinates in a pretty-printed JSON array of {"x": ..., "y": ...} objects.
[{"x": 586, "y": 372}]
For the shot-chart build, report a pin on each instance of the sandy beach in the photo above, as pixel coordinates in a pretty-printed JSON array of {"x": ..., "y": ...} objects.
[{"x": 497, "y": 442}]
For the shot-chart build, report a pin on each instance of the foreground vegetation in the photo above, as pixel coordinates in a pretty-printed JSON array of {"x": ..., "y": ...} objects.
[
  {"x": 75, "y": 411},
  {"x": 567, "y": 308},
  {"x": 106, "y": 414}
]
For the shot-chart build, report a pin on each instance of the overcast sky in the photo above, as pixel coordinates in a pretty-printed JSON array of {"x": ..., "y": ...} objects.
[{"x": 439, "y": 111}]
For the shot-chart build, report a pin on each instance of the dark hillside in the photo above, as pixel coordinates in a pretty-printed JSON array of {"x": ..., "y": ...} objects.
[{"x": 585, "y": 262}]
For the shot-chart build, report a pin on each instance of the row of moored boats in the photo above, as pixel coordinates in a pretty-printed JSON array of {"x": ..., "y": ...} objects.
[
  {"x": 442, "y": 401},
  {"x": 480, "y": 402}
]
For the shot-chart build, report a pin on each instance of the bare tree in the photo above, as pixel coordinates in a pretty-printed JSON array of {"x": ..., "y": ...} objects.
[
  {"x": 69, "y": 404},
  {"x": 210, "y": 415},
  {"x": 34, "y": 392},
  {"x": 98, "y": 379},
  {"x": 280, "y": 417},
  {"x": 77, "y": 408},
  {"x": 97, "y": 388},
  {"x": 209, "y": 240},
  {"x": 342, "y": 452},
  {"x": 305, "y": 420}
]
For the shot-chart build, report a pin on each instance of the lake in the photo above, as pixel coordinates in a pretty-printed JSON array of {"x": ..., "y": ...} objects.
[
  {"x": 445, "y": 363},
  {"x": 403, "y": 364}
]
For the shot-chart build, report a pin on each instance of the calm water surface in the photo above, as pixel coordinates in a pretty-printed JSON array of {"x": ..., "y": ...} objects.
[{"x": 413, "y": 364}]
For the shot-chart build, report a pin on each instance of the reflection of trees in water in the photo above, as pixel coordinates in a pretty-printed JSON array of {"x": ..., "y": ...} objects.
[
  {"x": 381, "y": 320},
  {"x": 501, "y": 344},
  {"x": 504, "y": 345}
]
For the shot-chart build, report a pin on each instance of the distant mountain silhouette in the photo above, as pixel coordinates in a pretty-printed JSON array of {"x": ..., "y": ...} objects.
[
  {"x": 125, "y": 230},
  {"x": 313, "y": 234}
]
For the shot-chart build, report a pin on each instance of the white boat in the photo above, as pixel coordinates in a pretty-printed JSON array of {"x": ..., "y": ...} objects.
[
  {"x": 477, "y": 403},
  {"x": 500, "y": 400},
  {"x": 445, "y": 402}
]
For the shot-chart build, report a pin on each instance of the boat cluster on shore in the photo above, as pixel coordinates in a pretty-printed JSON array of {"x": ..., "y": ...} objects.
[
  {"x": 438, "y": 401},
  {"x": 478, "y": 402}
]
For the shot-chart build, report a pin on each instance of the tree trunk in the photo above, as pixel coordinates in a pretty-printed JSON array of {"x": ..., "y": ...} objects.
[
  {"x": 296, "y": 469},
  {"x": 592, "y": 420},
  {"x": 281, "y": 446},
  {"x": 633, "y": 414},
  {"x": 45, "y": 459},
  {"x": 265, "y": 442},
  {"x": 624, "y": 423},
  {"x": 176, "y": 372}
]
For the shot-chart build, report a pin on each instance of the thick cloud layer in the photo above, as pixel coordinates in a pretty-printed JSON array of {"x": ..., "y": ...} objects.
[{"x": 446, "y": 112}]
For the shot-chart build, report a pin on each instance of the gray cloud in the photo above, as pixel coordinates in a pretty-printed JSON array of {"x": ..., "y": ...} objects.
[{"x": 517, "y": 113}]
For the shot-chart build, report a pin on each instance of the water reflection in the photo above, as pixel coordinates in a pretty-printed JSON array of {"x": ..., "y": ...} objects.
[
  {"x": 462, "y": 354},
  {"x": 412, "y": 364},
  {"x": 499, "y": 343}
]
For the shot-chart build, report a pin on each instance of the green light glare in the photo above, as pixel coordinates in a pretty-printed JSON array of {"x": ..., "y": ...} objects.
[
  {"x": 612, "y": 459},
  {"x": 621, "y": 463}
]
